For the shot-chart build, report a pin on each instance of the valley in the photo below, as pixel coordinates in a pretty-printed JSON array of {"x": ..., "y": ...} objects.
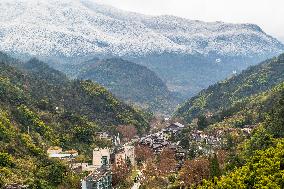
[
  {"x": 96, "y": 97},
  {"x": 44, "y": 113}
]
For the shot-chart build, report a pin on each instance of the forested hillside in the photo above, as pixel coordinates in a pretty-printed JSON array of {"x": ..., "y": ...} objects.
[
  {"x": 254, "y": 102},
  {"x": 258, "y": 161},
  {"x": 132, "y": 83},
  {"x": 39, "y": 108},
  {"x": 225, "y": 94}
]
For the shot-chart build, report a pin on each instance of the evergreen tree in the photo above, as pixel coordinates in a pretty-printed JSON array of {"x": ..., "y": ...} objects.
[
  {"x": 275, "y": 121},
  {"x": 202, "y": 122},
  {"x": 214, "y": 167},
  {"x": 260, "y": 140}
]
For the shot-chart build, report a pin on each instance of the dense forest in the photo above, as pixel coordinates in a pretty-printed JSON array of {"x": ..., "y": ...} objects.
[
  {"x": 132, "y": 83},
  {"x": 40, "y": 107}
]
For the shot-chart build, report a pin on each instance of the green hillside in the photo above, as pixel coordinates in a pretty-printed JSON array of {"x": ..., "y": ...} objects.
[
  {"x": 223, "y": 95},
  {"x": 132, "y": 83},
  {"x": 40, "y": 107},
  {"x": 248, "y": 111},
  {"x": 253, "y": 99},
  {"x": 258, "y": 161}
]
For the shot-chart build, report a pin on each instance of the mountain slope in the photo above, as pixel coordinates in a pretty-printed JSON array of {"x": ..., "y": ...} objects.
[
  {"x": 131, "y": 82},
  {"x": 73, "y": 27},
  {"x": 75, "y": 30},
  {"x": 40, "y": 107},
  {"x": 225, "y": 94},
  {"x": 41, "y": 83}
]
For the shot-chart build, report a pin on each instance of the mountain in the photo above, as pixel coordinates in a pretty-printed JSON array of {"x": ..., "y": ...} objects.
[
  {"x": 34, "y": 83},
  {"x": 235, "y": 91},
  {"x": 76, "y": 30},
  {"x": 82, "y": 27},
  {"x": 132, "y": 83}
]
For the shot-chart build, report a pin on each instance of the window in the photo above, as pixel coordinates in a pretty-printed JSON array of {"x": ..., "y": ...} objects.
[{"x": 104, "y": 160}]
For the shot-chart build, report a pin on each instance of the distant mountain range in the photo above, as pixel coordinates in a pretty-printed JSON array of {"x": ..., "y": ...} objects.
[
  {"x": 188, "y": 55},
  {"x": 83, "y": 27}
]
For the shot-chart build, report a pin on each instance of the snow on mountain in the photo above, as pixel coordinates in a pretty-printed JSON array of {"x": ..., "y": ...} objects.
[{"x": 84, "y": 27}]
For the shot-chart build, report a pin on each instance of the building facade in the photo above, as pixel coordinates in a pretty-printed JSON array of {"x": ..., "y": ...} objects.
[
  {"x": 99, "y": 179},
  {"x": 101, "y": 157}
]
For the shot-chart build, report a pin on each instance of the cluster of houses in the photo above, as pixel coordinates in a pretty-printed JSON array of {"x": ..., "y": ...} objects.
[
  {"x": 162, "y": 139},
  {"x": 100, "y": 174},
  {"x": 206, "y": 142},
  {"x": 157, "y": 141}
]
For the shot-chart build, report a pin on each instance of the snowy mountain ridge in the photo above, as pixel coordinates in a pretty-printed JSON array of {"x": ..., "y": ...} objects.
[{"x": 84, "y": 27}]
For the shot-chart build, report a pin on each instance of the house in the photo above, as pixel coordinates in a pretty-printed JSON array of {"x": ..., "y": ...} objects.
[
  {"x": 209, "y": 115},
  {"x": 101, "y": 178},
  {"x": 73, "y": 152},
  {"x": 83, "y": 167},
  {"x": 174, "y": 127},
  {"x": 130, "y": 153},
  {"x": 101, "y": 157},
  {"x": 103, "y": 135},
  {"x": 101, "y": 175},
  {"x": 56, "y": 152},
  {"x": 124, "y": 153}
]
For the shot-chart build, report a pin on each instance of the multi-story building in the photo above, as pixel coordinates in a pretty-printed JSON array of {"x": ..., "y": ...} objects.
[
  {"x": 101, "y": 157},
  {"x": 99, "y": 179},
  {"x": 101, "y": 175}
]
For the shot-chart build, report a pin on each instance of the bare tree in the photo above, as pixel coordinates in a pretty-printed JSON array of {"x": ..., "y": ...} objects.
[
  {"x": 128, "y": 132},
  {"x": 194, "y": 171}
]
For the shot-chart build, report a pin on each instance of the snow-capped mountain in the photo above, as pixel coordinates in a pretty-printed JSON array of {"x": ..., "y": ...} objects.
[
  {"x": 188, "y": 55},
  {"x": 84, "y": 27}
]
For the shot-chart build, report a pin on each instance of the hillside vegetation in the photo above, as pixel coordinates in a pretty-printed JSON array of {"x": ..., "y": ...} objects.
[
  {"x": 252, "y": 100},
  {"x": 258, "y": 161},
  {"x": 39, "y": 108},
  {"x": 223, "y": 95},
  {"x": 132, "y": 83}
]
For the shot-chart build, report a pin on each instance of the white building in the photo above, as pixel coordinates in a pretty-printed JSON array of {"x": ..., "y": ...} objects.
[
  {"x": 101, "y": 157},
  {"x": 56, "y": 152}
]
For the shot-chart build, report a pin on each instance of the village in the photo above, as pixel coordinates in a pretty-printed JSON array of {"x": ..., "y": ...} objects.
[{"x": 99, "y": 172}]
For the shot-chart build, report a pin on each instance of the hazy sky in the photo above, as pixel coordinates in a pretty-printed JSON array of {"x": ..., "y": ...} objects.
[{"x": 268, "y": 14}]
